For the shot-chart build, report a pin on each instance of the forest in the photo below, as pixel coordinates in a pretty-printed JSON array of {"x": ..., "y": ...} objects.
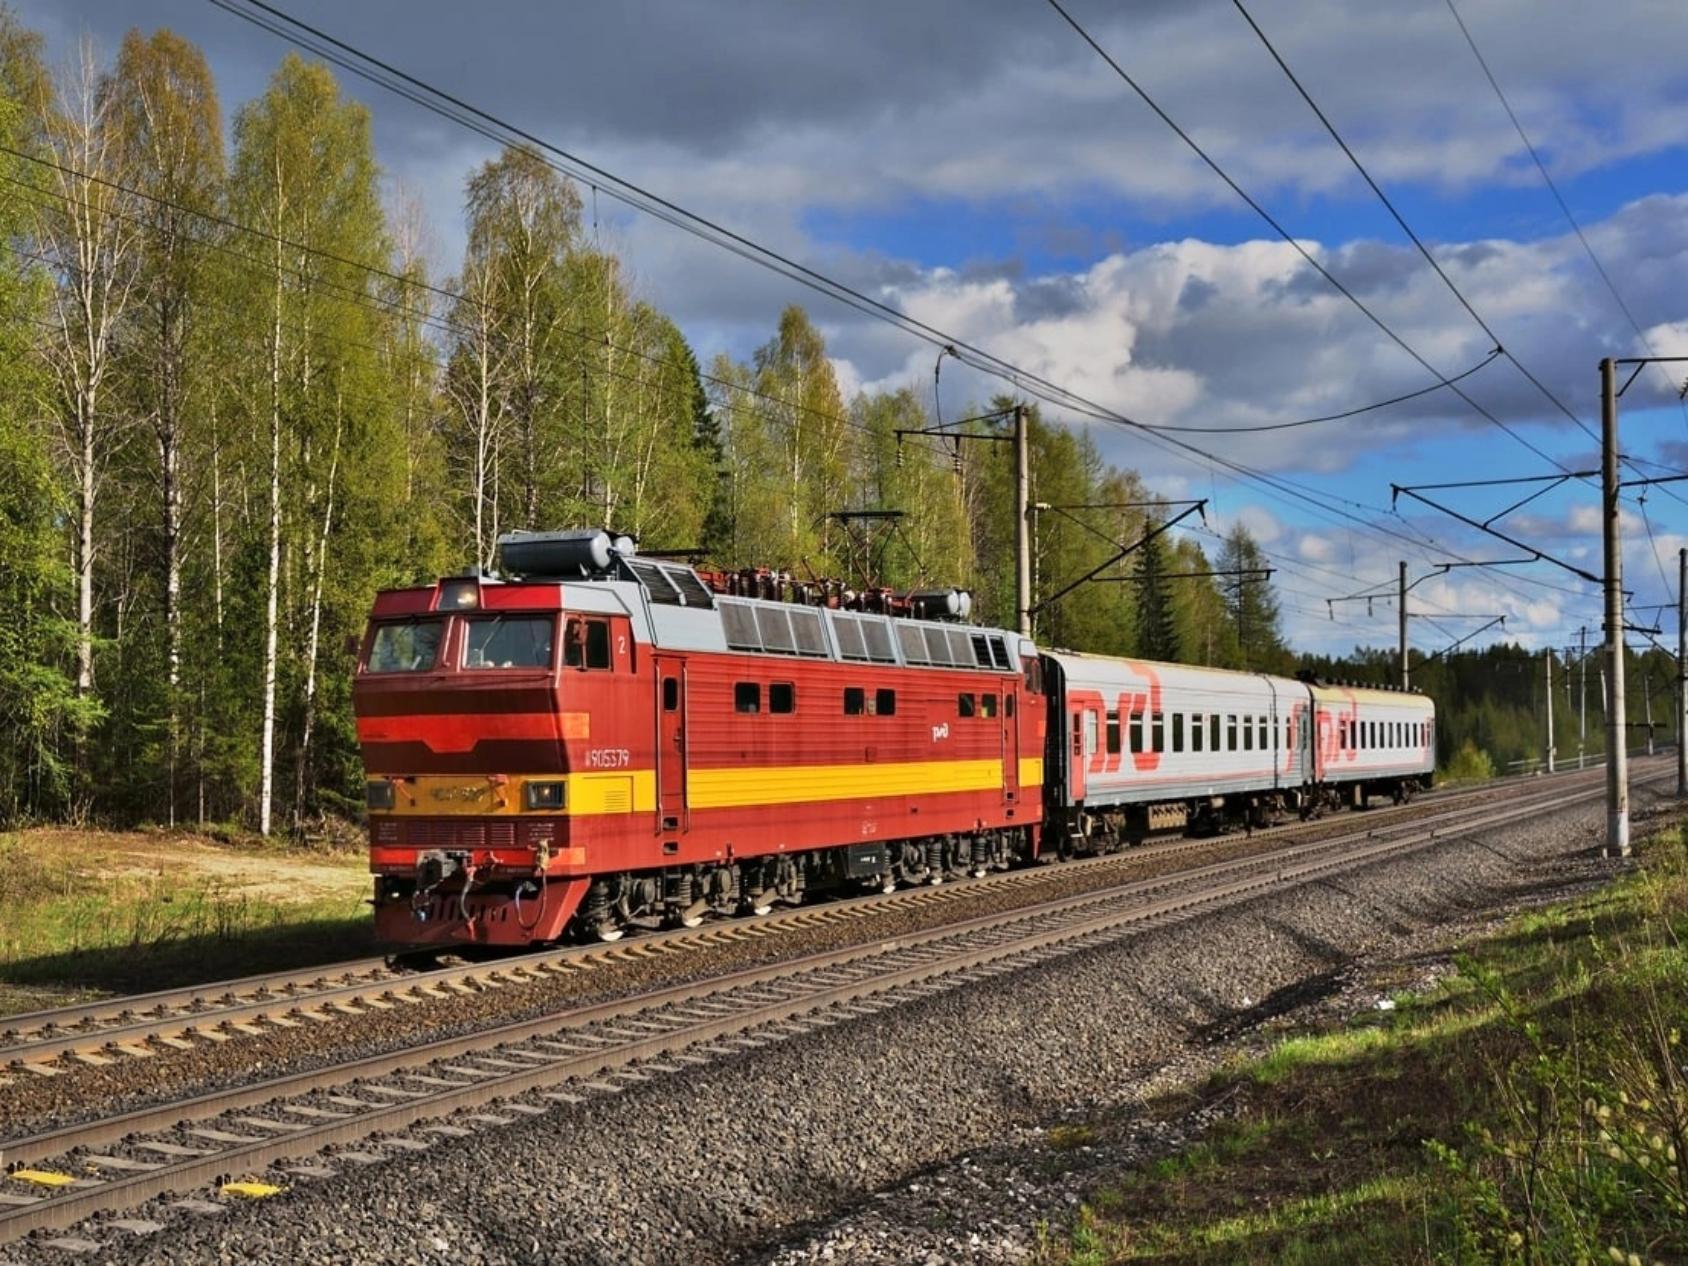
[{"x": 235, "y": 402}]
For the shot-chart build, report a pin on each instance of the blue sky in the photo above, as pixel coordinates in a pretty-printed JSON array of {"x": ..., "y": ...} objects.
[{"x": 974, "y": 163}]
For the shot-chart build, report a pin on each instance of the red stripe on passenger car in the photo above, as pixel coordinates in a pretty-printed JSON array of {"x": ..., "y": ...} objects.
[{"x": 455, "y": 732}]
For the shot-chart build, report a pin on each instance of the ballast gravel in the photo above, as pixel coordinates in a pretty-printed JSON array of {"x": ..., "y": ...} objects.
[
  {"x": 918, "y": 1134},
  {"x": 81, "y": 1092}
]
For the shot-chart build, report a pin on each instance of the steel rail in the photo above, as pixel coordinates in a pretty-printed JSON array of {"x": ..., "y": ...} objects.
[
  {"x": 99, "y": 1033},
  {"x": 661, "y": 1022}
]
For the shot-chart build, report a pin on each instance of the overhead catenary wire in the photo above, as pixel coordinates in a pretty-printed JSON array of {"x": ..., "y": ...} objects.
[
  {"x": 1401, "y": 221},
  {"x": 1278, "y": 227},
  {"x": 365, "y": 299},
  {"x": 1564, "y": 207},
  {"x": 382, "y": 74},
  {"x": 1328, "y": 417},
  {"x": 443, "y": 324}
]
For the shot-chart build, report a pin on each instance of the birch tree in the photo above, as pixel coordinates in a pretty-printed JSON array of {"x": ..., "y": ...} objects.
[
  {"x": 305, "y": 177},
  {"x": 86, "y": 231},
  {"x": 165, "y": 114},
  {"x": 38, "y": 696},
  {"x": 524, "y": 219}
]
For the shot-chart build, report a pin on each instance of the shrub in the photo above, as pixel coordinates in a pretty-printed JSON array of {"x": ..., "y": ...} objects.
[{"x": 1469, "y": 764}]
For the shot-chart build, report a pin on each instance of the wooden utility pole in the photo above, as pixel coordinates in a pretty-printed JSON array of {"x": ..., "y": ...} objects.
[
  {"x": 1547, "y": 660},
  {"x": 1617, "y": 755}
]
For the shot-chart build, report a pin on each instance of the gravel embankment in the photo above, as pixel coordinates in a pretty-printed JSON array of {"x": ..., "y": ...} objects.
[
  {"x": 33, "y": 1104},
  {"x": 863, "y": 1122}
]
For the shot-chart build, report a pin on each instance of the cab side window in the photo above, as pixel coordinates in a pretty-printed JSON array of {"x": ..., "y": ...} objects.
[{"x": 586, "y": 643}]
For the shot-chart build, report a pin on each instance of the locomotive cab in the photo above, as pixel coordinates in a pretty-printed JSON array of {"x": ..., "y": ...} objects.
[{"x": 475, "y": 702}]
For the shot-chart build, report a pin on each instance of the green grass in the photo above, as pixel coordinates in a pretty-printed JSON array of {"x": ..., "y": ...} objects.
[
  {"x": 1531, "y": 1108},
  {"x": 86, "y": 921}
]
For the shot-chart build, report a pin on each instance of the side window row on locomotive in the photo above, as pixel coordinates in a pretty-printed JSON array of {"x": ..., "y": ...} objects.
[
  {"x": 747, "y": 697},
  {"x": 858, "y": 702}
]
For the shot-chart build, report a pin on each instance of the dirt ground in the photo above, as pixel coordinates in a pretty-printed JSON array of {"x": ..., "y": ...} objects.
[{"x": 274, "y": 874}]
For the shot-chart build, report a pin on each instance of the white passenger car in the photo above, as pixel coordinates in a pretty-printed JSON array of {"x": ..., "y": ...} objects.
[{"x": 1137, "y": 745}]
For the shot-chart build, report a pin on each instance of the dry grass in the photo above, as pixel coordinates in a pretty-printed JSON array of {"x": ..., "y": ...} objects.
[{"x": 93, "y": 912}]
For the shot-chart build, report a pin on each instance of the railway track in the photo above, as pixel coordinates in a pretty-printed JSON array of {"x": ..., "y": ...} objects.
[
  {"x": 277, "y": 1130},
  {"x": 46, "y": 1043}
]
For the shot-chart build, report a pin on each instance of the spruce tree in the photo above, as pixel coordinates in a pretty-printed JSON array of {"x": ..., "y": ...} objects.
[{"x": 1157, "y": 629}]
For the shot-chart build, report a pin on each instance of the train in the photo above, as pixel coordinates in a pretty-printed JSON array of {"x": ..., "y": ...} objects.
[{"x": 593, "y": 740}]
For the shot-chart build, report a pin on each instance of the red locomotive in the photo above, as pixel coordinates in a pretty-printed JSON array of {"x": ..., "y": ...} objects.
[
  {"x": 609, "y": 742},
  {"x": 605, "y": 741}
]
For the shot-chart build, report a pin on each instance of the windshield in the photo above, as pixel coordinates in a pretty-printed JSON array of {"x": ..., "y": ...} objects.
[
  {"x": 410, "y": 646},
  {"x": 509, "y": 641}
]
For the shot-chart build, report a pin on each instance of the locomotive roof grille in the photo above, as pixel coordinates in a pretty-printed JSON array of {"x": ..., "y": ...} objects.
[
  {"x": 669, "y": 584},
  {"x": 776, "y": 629}
]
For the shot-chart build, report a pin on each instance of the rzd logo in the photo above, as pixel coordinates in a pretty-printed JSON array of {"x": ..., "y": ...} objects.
[{"x": 940, "y": 731}]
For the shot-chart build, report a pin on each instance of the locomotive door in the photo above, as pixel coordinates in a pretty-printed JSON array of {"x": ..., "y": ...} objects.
[
  {"x": 1009, "y": 719},
  {"x": 671, "y": 813}
]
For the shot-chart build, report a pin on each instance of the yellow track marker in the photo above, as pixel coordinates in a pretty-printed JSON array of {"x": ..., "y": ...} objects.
[
  {"x": 251, "y": 1190},
  {"x": 42, "y": 1177}
]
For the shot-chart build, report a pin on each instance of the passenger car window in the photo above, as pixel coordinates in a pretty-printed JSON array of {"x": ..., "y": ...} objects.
[
  {"x": 1113, "y": 733},
  {"x": 409, "y": 646},
  {"x": 508, "y": 641}
]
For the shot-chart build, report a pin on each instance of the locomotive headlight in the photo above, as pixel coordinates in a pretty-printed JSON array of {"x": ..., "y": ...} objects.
[
  {"x": 460, "y": 595},
  {"x": 378, "y": 793},
  {"x": 543, "y": 795}
]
